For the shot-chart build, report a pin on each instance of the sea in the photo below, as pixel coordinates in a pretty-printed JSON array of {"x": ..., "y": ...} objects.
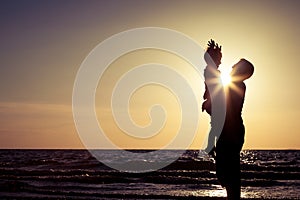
[{"x": 77, "y": 174}]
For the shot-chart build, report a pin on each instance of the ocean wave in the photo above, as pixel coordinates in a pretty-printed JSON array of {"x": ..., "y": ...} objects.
[{"x": 76, "y": 174}]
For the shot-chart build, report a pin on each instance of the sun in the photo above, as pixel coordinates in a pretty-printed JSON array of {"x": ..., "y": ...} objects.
[{"x": 226, "y": 78}]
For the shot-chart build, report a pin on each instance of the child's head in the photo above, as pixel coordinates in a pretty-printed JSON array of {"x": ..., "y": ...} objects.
[
  {"x": 242, "y": 70},
  {"x": 213, "y": 54}
]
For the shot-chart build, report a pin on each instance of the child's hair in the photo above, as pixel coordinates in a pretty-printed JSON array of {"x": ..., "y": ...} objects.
[{"x": 213, "y": 52}]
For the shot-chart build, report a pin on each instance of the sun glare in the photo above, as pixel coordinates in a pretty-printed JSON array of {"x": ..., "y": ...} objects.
[{"x": 226, "y": 78}]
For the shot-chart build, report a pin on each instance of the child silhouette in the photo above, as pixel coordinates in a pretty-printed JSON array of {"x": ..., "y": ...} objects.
[
  {"x": 214, "y": 95},
  {"x": 212, "y": 58}
]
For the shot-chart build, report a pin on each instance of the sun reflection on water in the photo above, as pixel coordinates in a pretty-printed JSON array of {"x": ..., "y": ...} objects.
[{"x": 217, "y": 191}]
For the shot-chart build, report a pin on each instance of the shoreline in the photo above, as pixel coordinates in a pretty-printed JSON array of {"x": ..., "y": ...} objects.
[{"x": 119, "y": 196}]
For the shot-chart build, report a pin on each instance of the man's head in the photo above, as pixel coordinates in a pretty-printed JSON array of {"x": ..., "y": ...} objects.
[{"x": 242, "y": 70}]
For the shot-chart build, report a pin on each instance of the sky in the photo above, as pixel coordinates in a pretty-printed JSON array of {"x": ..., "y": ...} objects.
[{"x": 43, "y": 44}]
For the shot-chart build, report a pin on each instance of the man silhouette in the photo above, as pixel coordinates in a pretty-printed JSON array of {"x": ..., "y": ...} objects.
[
  {"x": 231, "y": 139},
  {"x": 220, "y": 103}
]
